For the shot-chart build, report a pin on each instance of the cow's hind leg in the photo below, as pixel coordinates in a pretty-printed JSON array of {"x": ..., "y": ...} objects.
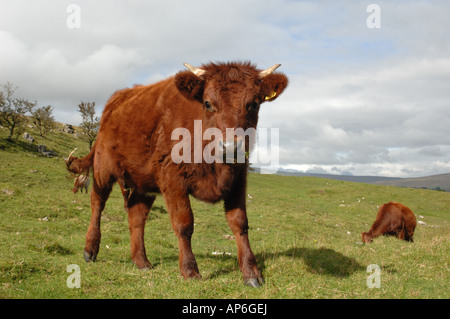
[
  {"x": 99, "y": 196},
  {"x": 138, "y": 206}
]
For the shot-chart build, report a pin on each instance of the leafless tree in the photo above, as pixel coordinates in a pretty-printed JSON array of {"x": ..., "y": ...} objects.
[
  {"x": 13, "y": 110},
  {"x": 91, "y": 123}
]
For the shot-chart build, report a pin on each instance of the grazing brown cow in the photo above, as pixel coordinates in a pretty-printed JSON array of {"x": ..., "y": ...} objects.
[
  {"x": 82, "y": 181},
  {"x": 393, "y": 219},
  {"x": 141, "y": 126}
]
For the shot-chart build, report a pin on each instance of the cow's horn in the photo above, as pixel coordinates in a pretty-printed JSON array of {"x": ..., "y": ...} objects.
[
  {"x": 268, "y": 71},
  {"x": 72, "y": 152},
  {"x": 197, "y": 71}
]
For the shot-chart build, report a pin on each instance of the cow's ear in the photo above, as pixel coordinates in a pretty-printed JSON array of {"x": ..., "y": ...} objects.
[
  {"x": 190, "y": 85},
  {"x": 273, "y": 85}
]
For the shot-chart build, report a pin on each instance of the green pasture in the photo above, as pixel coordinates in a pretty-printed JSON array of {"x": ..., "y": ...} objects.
[{"x": 304, "y": 231}]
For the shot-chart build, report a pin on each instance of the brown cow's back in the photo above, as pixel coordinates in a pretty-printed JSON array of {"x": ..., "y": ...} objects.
[{"x": 132, "y": 153}]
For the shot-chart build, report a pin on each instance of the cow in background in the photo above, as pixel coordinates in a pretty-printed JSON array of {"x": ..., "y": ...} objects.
[
  {"x": 81, "y": 182},
  {"x": 393, "y": 219}
]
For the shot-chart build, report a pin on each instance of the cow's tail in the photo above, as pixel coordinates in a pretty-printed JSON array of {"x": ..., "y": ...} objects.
[{"x": 80, "y": 166}]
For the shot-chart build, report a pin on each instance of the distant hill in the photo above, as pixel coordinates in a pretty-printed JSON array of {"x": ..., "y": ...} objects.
[{"x": 434, "y": 182}]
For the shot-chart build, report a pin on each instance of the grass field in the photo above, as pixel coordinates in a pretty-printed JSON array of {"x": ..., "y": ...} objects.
[{"x": 304, "y": 231}]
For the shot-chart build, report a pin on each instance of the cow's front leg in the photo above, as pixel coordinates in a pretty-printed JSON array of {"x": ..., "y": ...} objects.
[
  {"x": 237, "y": 220},
  {"x": 182, "y": 220}
]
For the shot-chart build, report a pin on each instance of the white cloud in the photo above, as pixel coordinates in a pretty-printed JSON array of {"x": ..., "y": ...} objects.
[
  {"x": 355, "y": 121},
  {"x": 50, "y": 78}
]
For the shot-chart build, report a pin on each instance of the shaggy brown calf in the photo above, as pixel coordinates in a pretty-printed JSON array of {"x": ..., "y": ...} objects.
[
  {"x": 82, "y": 181},
  {"x": 138, "y": 147},
  {"x": 393, "y": 219}
]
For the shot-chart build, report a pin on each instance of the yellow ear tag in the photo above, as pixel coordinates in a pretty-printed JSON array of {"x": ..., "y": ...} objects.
[{"x": 268, "y": 97}]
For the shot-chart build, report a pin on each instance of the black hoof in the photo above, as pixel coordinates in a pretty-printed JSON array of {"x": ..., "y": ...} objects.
[
  {"x": 254, "y": 282},
  {"x": 89, "y": 257}
]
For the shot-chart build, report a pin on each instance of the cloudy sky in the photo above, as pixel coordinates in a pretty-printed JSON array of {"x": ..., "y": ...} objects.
[{"x": 361, "y": 101}]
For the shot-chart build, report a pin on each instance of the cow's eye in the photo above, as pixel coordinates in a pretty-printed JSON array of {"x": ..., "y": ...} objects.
[
  {"x": 252, "y": 106},
  {"x": 208, "y": 105}
]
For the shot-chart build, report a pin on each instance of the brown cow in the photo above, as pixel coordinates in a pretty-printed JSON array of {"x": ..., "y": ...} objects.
[
  {"x": 393, "y": 219},
  {"x": 81, "y": 182},
  {"x": 135, "y": 145}
]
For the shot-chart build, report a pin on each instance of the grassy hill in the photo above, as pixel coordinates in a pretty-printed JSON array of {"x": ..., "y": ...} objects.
[
  {"x": 305, "y": 232},
  {"x": 441, "y": 182},
  {"x": 433, "y": 182}
]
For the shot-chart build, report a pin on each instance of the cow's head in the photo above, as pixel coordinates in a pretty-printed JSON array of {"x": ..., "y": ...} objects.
[
  {"x": 230, "y": 95},
  {"x": 366, "y": 237}
]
